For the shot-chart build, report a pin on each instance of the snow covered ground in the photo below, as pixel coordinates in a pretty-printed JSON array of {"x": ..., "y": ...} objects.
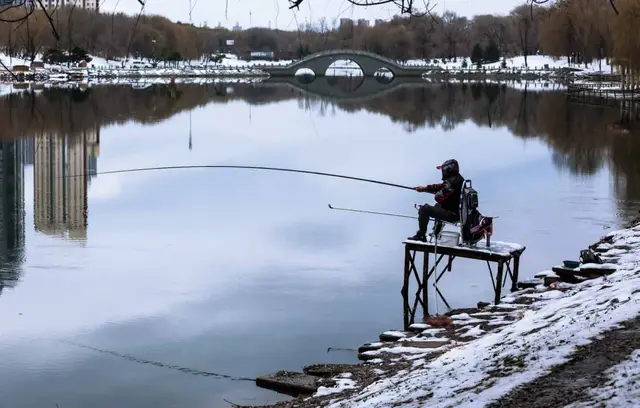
[
  {"x": 546, "y": 333},
  {"x": 231, "y": 65},
  {"x": 623, "y": 389},
  {"x": 534, "y": 62}
]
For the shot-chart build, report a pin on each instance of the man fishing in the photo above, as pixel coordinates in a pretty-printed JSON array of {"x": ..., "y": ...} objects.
[{"x": 447, "y": 196}]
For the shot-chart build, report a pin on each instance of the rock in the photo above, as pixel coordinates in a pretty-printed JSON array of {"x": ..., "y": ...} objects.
[
  {"x": 392, "y": 335},
  {"x": 289, "y": 383},
  {"x": 548, "y": 280},
  {"x": 528, "y": 284},
  {"x": 370, "y": 347},
  {"x": 482, "y": 305},
  {"x": 328, "y": 370},
  {"x": 427, "y": 344},
  {"x": 367, "y": 356},
  {"x": 418, "y": 327}
]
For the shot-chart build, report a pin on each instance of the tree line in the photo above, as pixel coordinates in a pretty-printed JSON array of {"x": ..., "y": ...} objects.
[{"x": 581, "y": 30}]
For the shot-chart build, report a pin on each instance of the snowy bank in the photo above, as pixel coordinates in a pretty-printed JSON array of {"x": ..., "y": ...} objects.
[
  {"x": 538, "y": 66},
  {"x": 484, "y": 354}
]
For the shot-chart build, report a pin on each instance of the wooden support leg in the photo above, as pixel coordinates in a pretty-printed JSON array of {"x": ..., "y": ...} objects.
[
  {"x": 425, "y": 280},
  {"x": 499, "y": 282},
  {"x": 516, "y": 269},
  {"x": 407, "y": 271},
  {"x": 405, "y": 287}
]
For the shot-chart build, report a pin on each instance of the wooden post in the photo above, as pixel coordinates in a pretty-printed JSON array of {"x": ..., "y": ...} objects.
[
  {"x": 425, "y": 287},
  {"x": 405, "y": 286},
  {"x": 516, "y": 270},
  {"x": 499, "y": 281}
]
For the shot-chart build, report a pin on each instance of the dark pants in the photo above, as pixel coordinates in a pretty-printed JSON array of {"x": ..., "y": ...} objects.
[{"x": 436, "y": 212}]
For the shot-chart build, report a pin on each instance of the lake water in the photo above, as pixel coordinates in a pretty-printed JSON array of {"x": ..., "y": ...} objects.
[{"x": 107, "y": 278}]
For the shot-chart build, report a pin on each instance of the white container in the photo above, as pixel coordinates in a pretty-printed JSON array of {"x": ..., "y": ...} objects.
[{"x": 449, "y": 238}]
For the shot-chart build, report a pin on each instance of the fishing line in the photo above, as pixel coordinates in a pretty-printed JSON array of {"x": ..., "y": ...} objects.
[
  {"x": 373, "y": 212},
  {"x": 140, "y": 169},
  {"x": 185, "y": 370}
]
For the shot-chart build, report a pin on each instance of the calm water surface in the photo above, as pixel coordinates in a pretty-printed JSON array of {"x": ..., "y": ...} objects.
[{"x": 243, "y": 273}]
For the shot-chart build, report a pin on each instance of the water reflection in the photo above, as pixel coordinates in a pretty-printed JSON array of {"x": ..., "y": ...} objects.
[
  {"x": 63, "y": 168},
  {"x": 160, "y": 275},
  {"x": 12, "y": 214},
  {"x": 57, "y": 132}
]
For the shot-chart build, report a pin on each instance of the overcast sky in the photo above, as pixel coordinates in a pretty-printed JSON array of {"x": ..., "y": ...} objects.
[{"x": 262, "y": 12}]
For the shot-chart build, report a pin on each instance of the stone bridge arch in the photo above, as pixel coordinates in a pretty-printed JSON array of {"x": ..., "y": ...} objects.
[{"x": 368, "y": 62}]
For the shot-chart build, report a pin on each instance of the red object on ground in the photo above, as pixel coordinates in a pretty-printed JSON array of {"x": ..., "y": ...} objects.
[{"x": 438, "y": 321}]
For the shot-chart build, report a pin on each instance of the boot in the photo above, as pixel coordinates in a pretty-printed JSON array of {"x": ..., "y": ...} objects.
[
  {"x": 420, "y": 236},
  {"x": 437, "y": 229}
]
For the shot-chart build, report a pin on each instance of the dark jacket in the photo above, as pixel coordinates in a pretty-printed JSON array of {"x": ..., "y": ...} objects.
[{"x": 448, "y": 193}]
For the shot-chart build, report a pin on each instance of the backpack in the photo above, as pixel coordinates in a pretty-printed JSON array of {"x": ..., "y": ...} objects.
[
  {"x": 588, "y": 256},
  {"x": 473, "y": 224}
]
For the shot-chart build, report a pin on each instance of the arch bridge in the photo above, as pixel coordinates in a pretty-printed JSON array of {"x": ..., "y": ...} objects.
[{"x": 369, "y": 63}]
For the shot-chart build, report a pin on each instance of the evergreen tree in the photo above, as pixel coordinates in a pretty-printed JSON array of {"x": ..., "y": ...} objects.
[
  {"x": 477, "y": 53},
  {"x": 492, "y": 53}
]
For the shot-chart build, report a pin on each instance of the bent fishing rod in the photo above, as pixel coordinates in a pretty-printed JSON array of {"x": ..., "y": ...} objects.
[
  {"x": 140, "y": 169},
  {"x": 372, "y": 212}
]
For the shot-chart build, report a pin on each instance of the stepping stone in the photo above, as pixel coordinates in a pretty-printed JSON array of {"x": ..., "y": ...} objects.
[
  {"x": 289, "y": 382},
  {"x": 328, "y": 370},
  {"x": 392, "y": 335},
  {"x": 427, "y": 344},
  {"x": 532, "y": 283},
  {"x": 548, "y": 280},
  {"x": 367, "y": 357},
  {"x": 371, "y": 347},
  {"x": 418, "y": 327},
  {"x": 482, "y": 305}
]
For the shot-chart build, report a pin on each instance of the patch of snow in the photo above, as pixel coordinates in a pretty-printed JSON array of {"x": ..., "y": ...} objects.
[
  {"x": 419, "y": 326},
  {"x": 542, "y": 338},
  {"x": 622, "y": 389},
  {"x": 547, "y": 294},
  {"x": 395, "y": 334},
  {"x": 399, "y": 350},
  {"x": 597, "y": 266},
  {"x": 378, "y": 371},
  {"x": 431, "y": 332},
  {"x": 496, "y": 247},
  {"x": 341, "y": 385},
  {"x": 473, "y": 332}
]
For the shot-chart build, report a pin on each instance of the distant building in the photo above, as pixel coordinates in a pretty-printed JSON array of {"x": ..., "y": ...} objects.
[
  {"x": 379, "y": 21},
  {"x": 363, "y": 22},
  {"x": 262, "y": 56},
  {"x": 237, "y": 27},
  {"x": 85, "y": 4},
  {"x": 345, "y": 22}
]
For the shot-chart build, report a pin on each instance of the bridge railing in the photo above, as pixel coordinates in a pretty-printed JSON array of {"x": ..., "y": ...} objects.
[{"x": 347, "y": 52}]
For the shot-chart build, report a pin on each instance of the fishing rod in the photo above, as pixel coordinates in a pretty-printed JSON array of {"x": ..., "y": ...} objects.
[
  {"x": 245, "y": 167},
  {"x": 372, "y": 212}
]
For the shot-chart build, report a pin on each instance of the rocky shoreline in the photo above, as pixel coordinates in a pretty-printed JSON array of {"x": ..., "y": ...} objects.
[{"x": 522, "y": 341}]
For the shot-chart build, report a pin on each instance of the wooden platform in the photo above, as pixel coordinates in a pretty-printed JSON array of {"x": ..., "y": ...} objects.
[{"x": 501, "y": 253}]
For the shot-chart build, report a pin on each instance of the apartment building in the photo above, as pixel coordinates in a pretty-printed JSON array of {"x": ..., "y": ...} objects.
[{"x": 85, "y": 4}]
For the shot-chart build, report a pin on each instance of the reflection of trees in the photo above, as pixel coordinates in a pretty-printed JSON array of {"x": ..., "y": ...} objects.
[
  {"x": 579, "y": 135},
  {"x": 66, "y": 111}
]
